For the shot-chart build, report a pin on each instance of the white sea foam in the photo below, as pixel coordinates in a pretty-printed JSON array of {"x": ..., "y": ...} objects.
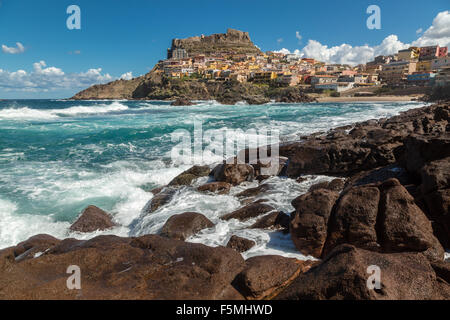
[{"x": 26, "y": 113}]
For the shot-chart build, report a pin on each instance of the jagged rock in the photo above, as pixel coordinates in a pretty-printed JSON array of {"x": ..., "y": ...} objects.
[
  {"x": 308, "y": 226},
  {"x": 234, "y": 173},
  {"x": 185, "y": 178},
  {"x": 265, "y": 276},
  {"x": 421, "y": 149},
  {"x": 435, "y": 175},
  {"x": 343, "y": 275},
  {"x": 91, "y": 219},
  {"x": 155, "y": 191},
  {"x": 240, "y": 244},
  {"x": 182, "y": 226},
  {"x": 217, "y": 187},
  {"x": 35, "y": 245},
  {"x": 148, "y": 268},
  {"x": 404, "y": 226},
  {"x": 252, "y": 192},
  {"x": 269, "y": 166},
  {"x": 160, "y": 199},
  {"x": 274, "y": 220},
  {"x": 182, "y": 101},
  {"x": 355, "y": 219},
  {"x": 249, "y": 211},
  {"x": 333, "y": 185}
]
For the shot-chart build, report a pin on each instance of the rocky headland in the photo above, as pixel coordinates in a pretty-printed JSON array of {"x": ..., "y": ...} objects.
[
  {"x": 155, "y": 85},
  {"x": 388, "y": 206}
]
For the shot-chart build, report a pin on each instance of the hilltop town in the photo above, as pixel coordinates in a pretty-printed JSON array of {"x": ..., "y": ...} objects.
[{"x": 229, "y": 67}]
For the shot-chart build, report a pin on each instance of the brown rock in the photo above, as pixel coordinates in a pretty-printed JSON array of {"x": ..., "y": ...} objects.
[
  {"x": 309, "y": 222},
  {"x": 182, "y": 226},
  {"x": 274, "y": 220},
  {"x": 249, "y": 211},
  {"x": 217, "y": 187},
  {"x": 92, "y": 219},
  {"x": 185, "y": 178},
  {"x": 264, "y": 276},
  {"x": 404, "y": 226},
  {"x": 234, "y": 173},
  {"x": 355, "y": 219},
  {"x": 343, "y": 275},
  {"x": 435, "y": 175},
  {"x": 35, "y": 245},
  {"x": 149, "y": 267},
  {"x": 160, "y": 199},
  {"x": 240, "y": 244},
  {"x": 182, "y": 101},
  {"x": 252, "y": 192}
]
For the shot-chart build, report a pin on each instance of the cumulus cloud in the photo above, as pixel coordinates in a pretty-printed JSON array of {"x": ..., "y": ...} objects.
[
  {"x": 127, "y": 76},
  {"x": 419, "y": 31},
  {"x": 43, "y": 78},
  {"x": 13, "y": 50},
  {"x": 437, "y": 33}
]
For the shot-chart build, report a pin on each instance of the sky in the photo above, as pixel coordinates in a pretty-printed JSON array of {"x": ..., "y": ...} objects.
[{"x": 41, "y": 57}]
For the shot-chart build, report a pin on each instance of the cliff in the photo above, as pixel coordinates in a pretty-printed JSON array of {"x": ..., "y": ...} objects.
[{"x": 233, "y": 41}]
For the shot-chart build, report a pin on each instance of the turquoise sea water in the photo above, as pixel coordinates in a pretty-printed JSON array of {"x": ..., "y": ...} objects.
[{"x": 56, "y": 157}]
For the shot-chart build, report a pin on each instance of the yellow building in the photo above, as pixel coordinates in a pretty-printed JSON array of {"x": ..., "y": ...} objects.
[
  {"x": 397, "y": 71},
  {"x": 423, "y": 66},
  {"x": 409, "y": 54},
  {"x": 264, "y": 76}
]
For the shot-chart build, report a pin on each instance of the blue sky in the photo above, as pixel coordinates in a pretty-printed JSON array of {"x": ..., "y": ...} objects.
[{"x": 131, "y": 36}]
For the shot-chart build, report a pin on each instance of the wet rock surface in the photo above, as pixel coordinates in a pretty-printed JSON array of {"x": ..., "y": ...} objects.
[
  {"x": 240, "y": 244},
  {"x": 91, "y": 219},
  {"x": 182, "y": 226}
]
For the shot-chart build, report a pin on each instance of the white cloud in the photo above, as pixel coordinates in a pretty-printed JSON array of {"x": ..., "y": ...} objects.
[
  {"x": 419, "y": 31},
  {"x": 279, "y": 40},
  {"x": 127, "y": 76},
  {"x": 13, "y": 50},
  {"x": 43, "y": 78},
  {"x": 437, "y": 33},
  {"x": 298, "y": 36}
]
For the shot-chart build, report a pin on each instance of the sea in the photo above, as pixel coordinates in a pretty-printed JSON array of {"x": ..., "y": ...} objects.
[{"x": 59, "y": 156}]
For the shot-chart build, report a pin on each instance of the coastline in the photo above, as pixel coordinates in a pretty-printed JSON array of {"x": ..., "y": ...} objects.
[
  {"x": 368, "y": 99},
  {"x": 376, "y": 161}
]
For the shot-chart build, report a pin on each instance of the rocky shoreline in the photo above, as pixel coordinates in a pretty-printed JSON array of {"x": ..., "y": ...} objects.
[{"x": 388, "y": 207}]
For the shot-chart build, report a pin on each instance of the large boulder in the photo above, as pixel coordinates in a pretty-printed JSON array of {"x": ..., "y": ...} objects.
[
  {"x": 182, "y": 226},
  {"x": 249, "y": 211},
  {"x": 148, "y": 267},
  {"x": 216, "y": 187},
  {"x": 92, "y": 219},
  {"x": 185, "y": 178},
  {"x": 345, "y": 272},
  {"x": 265, "y": 276},
  {"x": 234, "y": 173},
  {"x": 404, "y": 226},
  {"x": 240, "y": 244},
  {"x": 355, "y": 219},
  {"x": 309, "y": 223}
]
